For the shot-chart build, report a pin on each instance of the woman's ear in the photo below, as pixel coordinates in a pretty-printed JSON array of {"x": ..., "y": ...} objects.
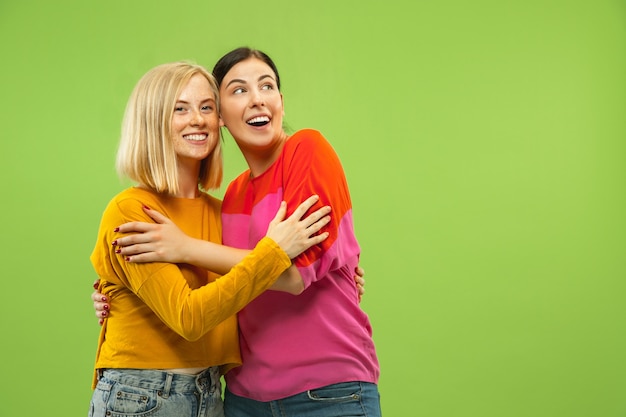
[{"x": 221, "y": 122}]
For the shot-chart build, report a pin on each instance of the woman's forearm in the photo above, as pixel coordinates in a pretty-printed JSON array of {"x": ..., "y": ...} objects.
[
  {"x": 212, "y": 256},
  {"x": 220, "y": 259},
  {"x": 289, "y": 281}
]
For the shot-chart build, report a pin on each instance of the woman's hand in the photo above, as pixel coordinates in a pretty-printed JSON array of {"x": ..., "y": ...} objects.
[
  {"x": 99, "y": 303},
  {"x": 295, "y": 235},
  {"x": 162, "y": 241},
  {"x": 360, "y": 281}
]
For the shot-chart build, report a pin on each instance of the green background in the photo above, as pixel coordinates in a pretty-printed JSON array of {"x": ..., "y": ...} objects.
[{"x": 483, "y": 143}]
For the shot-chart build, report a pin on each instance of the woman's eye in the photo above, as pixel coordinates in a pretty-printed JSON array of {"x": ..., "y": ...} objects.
[
  {"x": 207, "y": 108},
  {"x": 267, "y": 87},
  {"x": 179, "y": 109},
  {"x": 238, "y": 90}
]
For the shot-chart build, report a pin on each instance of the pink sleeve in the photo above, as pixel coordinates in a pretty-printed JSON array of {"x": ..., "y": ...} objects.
[{"x": 313, "y": 167}]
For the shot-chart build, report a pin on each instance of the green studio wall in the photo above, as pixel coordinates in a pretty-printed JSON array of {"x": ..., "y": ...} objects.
[{"x": 484, "y": 147}]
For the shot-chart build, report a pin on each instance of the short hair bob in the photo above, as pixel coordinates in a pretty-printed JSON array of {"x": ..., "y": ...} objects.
[{"x": 146, "y": 152}]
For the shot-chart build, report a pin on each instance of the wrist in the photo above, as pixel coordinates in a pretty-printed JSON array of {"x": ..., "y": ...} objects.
[{"x": 186, "y": 251}]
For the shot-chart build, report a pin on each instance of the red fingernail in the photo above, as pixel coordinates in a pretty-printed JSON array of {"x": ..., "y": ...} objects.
[
  {"x": 146, "y": 207},
  {"x": 114, "y": 243},
  {"x": 127, "y": 259},
  {"x": 104, "y": 313},
  {"x": 106, "y": 307},
  {"x": 104, "y": 299},
  {"x": 95, "y": 285},
  {"x": 117, "y": 229},
  {"x": 118, "y": 251}
]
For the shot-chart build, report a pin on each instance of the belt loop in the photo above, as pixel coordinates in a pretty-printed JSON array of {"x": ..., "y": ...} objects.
[{"x": 168, "y": 385}]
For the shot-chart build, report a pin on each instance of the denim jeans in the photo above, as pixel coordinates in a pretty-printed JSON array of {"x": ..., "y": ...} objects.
[
  {"x": 139, "y": 392},
  {"x": 337, "y": 400}
]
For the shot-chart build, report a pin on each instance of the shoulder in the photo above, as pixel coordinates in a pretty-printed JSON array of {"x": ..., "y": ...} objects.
[
  {"x": 131, "y": 197},
  {"x": 307, "y": 137},
  {"x": 128, "y": 204},
  {"x": 308, "y": 142}
]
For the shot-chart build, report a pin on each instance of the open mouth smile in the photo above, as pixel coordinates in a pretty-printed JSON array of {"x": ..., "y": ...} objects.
[
  {"x": 195, "y": 137},
  {"x": 258, "y": 121}
]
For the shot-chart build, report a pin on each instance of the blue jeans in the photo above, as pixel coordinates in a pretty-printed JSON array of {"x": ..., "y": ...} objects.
[
  {"x": 141, "y": 392},
  {"x": 337, "y": 400}
]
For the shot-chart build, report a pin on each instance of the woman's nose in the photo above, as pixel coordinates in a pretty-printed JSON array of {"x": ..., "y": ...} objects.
[
  {"x": 197, "y": 119},
  {"x": 256, "y": 98}
]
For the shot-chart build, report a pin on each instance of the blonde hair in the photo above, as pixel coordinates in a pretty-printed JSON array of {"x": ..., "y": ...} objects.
[{"x": 146, "y": 152}]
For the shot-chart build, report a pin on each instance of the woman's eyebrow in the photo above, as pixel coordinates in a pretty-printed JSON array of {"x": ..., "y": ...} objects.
[
  {"x": 201, "y": 101},
  {"x": 236, "y": 80}
]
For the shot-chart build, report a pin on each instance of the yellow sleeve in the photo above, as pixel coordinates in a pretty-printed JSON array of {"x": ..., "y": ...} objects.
[
  {"x": 192, "y": 313},
  {"x": 164, "y": 287}
]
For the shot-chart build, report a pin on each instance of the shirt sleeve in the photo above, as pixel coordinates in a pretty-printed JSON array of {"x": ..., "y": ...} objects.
[
  {"x": 313, "y": 167},
  {"x": 163, "y": 288},
  {"x": 192, "y": 313}
]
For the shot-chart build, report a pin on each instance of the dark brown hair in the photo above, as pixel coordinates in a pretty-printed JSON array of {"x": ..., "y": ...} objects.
[{"x": 235, "y": 56}]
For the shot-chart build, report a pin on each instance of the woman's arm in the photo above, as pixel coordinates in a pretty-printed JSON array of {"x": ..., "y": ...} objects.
[
  {"x": 289, "y": 281},
  {"x": 102, "y": 307},
  {"x": 163, "y": 241},
  {"x": 191, "y": 312}
]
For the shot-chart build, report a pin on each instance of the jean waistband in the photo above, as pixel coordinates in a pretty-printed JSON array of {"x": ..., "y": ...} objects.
[{"x": 164, "y": 381}]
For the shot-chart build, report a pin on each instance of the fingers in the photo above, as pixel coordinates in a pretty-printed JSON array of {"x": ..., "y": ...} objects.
[
  {"x": 138, "y": 227},
  {"x": 304, "y": 207},
  {"x": 317, "y": 239},
  {"x": 134, "y": 239},
  {"x": 317, "y": 226},
  {"x": 97, "y": 297},
  {"x": 141, "y": 253},
  {"x": 360, "y": 290},
  {"x": 314, "y": 221},
  {"x": 142, "y": 227},
  {"x": 134, "y": 248},
  {"x": 102, "y": 309},
  {"x": 143, "y": 257},
  {"x": 100, "y": 304},
  {"x": 317, "y": 216},
  {"x": 360, "y": 281},
  {"x": 156, "y": 216},
  {"x": 295, "y": 234},
  {"x": 359, "y": 271}
]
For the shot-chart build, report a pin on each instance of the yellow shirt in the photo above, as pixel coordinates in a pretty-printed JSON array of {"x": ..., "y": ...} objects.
[{"x": 163, "y": 315}]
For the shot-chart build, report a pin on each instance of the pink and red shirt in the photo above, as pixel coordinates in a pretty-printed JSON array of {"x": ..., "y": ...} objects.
[{"x": 290, "y": 344}]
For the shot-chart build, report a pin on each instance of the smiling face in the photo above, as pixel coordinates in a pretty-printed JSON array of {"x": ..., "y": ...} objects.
[
  {"x": 195, "y": 123},
  {"x": 252, "y": 110}
]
